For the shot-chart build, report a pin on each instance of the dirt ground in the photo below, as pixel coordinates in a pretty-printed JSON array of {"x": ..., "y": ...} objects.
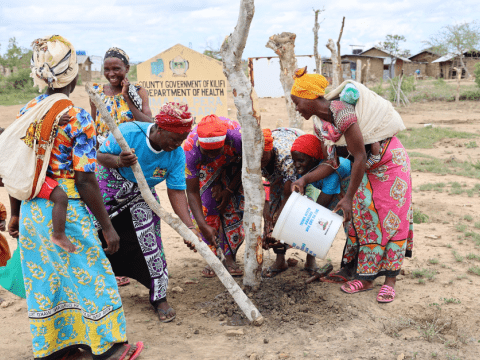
[{"x": 432, "y": 319}]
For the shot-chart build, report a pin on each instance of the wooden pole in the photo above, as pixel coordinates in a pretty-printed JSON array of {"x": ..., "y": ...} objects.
[{"x": 174, "y": 221}]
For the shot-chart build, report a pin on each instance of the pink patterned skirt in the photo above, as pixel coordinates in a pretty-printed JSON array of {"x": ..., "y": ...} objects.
[{"x": 380, "y": 235}]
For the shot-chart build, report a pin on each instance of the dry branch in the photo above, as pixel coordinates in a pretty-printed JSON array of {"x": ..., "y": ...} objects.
[
  {"x": 316, "y": 28},
  {"x": 174, "y": 221},
  {"x": 252, "y": 143},
  {"x": 284, "y": 46}
]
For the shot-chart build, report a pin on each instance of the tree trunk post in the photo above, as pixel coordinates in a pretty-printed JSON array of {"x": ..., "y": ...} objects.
[
  {"x": 358, "y": 73},
  {"x": 339, "y": 55},
  {"x": 316, "y": 28},
  {"x": 467, "y": 73},
  {"x": 331, "y": 46},
  {"x": 458, "y": 69},
  {"x": 284, "y": 46},
  {"x": 252, "y": 142},
  {"x": 174, "y": 221}
]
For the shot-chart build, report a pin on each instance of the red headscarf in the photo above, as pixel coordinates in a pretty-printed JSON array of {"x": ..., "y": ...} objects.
[
  {"x": 308, "y": 144},
  {"x": 267, "y": 136},
  {"x": 212, "y": 132},
  {"x": 174, "y": 117}
]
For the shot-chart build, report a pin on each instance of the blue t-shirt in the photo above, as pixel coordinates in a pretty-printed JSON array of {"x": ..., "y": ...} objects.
[
  {"x": 156, "y": 165},
  {"x": 331, "y": 184}
]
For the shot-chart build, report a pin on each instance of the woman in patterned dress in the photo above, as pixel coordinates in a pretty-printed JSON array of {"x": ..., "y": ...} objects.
[
  {"x": 72, "y": 298},
  {"x": 213, "y": 153},
  {"x": 157, "y": 150},
  {"x": 125, "y": 102},
  {"x": 378, "y": 200}
]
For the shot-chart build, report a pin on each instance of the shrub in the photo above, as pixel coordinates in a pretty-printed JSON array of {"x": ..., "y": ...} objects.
[
  {"x": 476, "y": 72},
  {"x": 378, "y": 89},
  {"x": 419, "y": 217}
]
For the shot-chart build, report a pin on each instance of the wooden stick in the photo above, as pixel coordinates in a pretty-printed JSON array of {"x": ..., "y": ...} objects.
[{"x": 174, "y": 221}]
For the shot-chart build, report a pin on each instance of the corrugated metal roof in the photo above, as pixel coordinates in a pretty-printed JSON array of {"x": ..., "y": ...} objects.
[
  {"x": 444, "y": 58},
  {"x": 386, "y": 52},
  {"x": 431, "y": 52}
]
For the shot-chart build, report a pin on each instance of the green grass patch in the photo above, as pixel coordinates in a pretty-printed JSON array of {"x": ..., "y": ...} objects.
[
  {"x": 451, "y": 301},
  {"x": 474, "y": 270},
  {"x": 420, "y": 155},
  {"x": 424, "y": 274},
  {"x": 432, "y": 187},
  {"x": 471, "y": 145},
  {"x": 477, "y": 225},
  {"x": 17, "y": 98},
  {"x": 458, "y": 257},
  {"x": 461, "y": 227},
  {"x": 433, "y": 261},
  {"x": 419, "y": 217},
  {"x": 469, "y": 218},
  {"x": 473, "y": 256},
  {"x": 425, "y": 137},
  {"x": 438, "y": 166}
]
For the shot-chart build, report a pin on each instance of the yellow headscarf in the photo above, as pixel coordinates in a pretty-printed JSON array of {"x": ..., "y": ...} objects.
[
  {"x": 54, "y": 62},
  {"x": 308, "y": 86}
]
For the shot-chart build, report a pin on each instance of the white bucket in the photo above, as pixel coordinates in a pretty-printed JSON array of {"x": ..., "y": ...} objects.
[{"x": 307, "y": 226}]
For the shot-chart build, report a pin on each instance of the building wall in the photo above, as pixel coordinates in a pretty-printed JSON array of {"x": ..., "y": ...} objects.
[
  {"x": 376, "y": 66},
  {"x": 85, "y": 70},
  {"x": 410, "y": 68}
]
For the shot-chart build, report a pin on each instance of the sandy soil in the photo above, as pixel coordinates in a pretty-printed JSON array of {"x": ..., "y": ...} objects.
[{"x": 435, "y": 320}]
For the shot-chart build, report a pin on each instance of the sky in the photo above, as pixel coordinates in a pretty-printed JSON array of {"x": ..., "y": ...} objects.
[{"x": 144, "y": 28}]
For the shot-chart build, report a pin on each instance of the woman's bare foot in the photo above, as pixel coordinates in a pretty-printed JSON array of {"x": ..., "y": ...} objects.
[
  {"x": 62, "y": 241},
  {"x": 208, "y": 272}
]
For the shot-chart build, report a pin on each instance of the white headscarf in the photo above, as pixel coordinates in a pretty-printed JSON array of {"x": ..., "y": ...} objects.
[{"x": 54, "y": 62}]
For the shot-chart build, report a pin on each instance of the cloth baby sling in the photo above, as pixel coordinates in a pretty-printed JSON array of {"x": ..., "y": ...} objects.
[{"x": 26, "y": 146}]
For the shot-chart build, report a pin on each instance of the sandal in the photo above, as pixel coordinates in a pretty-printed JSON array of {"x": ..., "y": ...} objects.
[
  {"x": 208, "y": 272},
  {"x": 353, "y": 286},
  {"x": 386, "y": 294},
  {"x": 234, "y": 271},
  {"x": 319, "y": 272},
  {"x": 130, "y": 352},
  {"x": 122, "y": 280},
  {"x": 334, "y": 279},
  {"x": 270, "y": 273},
  {"x": 166, "y": 313}
]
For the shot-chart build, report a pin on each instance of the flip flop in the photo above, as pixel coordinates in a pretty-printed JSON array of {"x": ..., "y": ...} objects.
[
  {"x": 386, "y": 290},
  {"x": 211, "y": 273},
  {"x": 272, "y": 272},
  {"x": 318, "y": 273},
  {"x": 166, "y": 313},
  {"x": 122, "y": 280},
  {"x": 353, "y": 287},
  {"x": 331, "y": 279},
  {"x": 137, "y": 349},
  {"x": 234, "y": 271}
]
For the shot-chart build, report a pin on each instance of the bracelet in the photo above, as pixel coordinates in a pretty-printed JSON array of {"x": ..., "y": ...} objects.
[
  {"x": 118, "y": 161},
  {"x": 192, "y": 227}
]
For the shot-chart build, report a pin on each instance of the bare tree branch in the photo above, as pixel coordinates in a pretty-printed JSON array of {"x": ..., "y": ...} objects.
[{"x": 252, "y": 143}]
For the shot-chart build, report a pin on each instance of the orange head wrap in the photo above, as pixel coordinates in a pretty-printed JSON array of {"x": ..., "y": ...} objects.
[
  {"x": 174, "y": 117},
  {"x": 308, "y": 144},
  {"x": 212, "y": 132},
  {"x": 267, "y": 135},
  {"x": 308, "y": 86}
]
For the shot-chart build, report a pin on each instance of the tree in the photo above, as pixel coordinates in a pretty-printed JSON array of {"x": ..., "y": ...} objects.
[
  {"x": 391, "y": 45},
  {"x": 337, "y": 77},
  {"x": 316, "y": 28},
  {"x": 456, "y": 39},
  {"x": 213, "y": 52},
  {"x": 252, "y": 142},
  {"x": 284, "y": 46}
]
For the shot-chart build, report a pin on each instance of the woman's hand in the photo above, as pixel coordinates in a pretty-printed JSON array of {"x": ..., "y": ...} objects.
[
  {"x": 299, "y": 186},
  {"x": 112, "y": 239},
  {"x": 64, "y": 120},
  {"x": 3, "y": 225},
  {"x": 13, "y": 226},
  {"x": 125, "y": 84},
  {"x": 210, "y": 234},
  {"x": 223, "y": 198},
  {"x": 189, "y": 244},
  {"x": 127, "y": 158},
  {"x": 266, "y": 212},
  {"x": 346, "y": 206}
]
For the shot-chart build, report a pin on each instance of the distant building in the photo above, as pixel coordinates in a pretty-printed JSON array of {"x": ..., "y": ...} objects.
[
  {"x": 84, "y": 66},
  {"x": 449, "y": 62},
  {"x": 398, "y": 61},
  {"x": 423, "y": 61}
]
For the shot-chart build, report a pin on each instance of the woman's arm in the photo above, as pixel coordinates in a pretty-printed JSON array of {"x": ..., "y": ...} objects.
[
  {"x": 195, "y": 202},
  {"x": 14, "y": 217},
  {"x": 89, "y": 191},
  {"x": 178, "y": 199},
  {"x": 356, "y": 147},
  {"x": 146, "y": 114},
  {"x": 321, "y": 172},
  {"x": 93, "y": 111},
  {"x": 125, "y": 159}
]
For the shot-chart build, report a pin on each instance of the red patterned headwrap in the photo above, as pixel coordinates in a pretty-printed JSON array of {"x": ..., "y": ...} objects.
[
  {"x": 308, "y": 144},
  {"x": 174, "y": 117},
  {"x": 267, "y": 135},
  {"x": 212, "y": 132}
]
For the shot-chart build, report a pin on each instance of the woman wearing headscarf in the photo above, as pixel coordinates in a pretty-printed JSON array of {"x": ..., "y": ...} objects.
[
  {"x": 157, "y": 150},
  {"x": 378, "y": 200},
  {"x": 72, "y": 298},
  {"x": 125, "y": 102},
  {"x": 279, "y": 171},
  {"x": 213, "y": 152}
]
